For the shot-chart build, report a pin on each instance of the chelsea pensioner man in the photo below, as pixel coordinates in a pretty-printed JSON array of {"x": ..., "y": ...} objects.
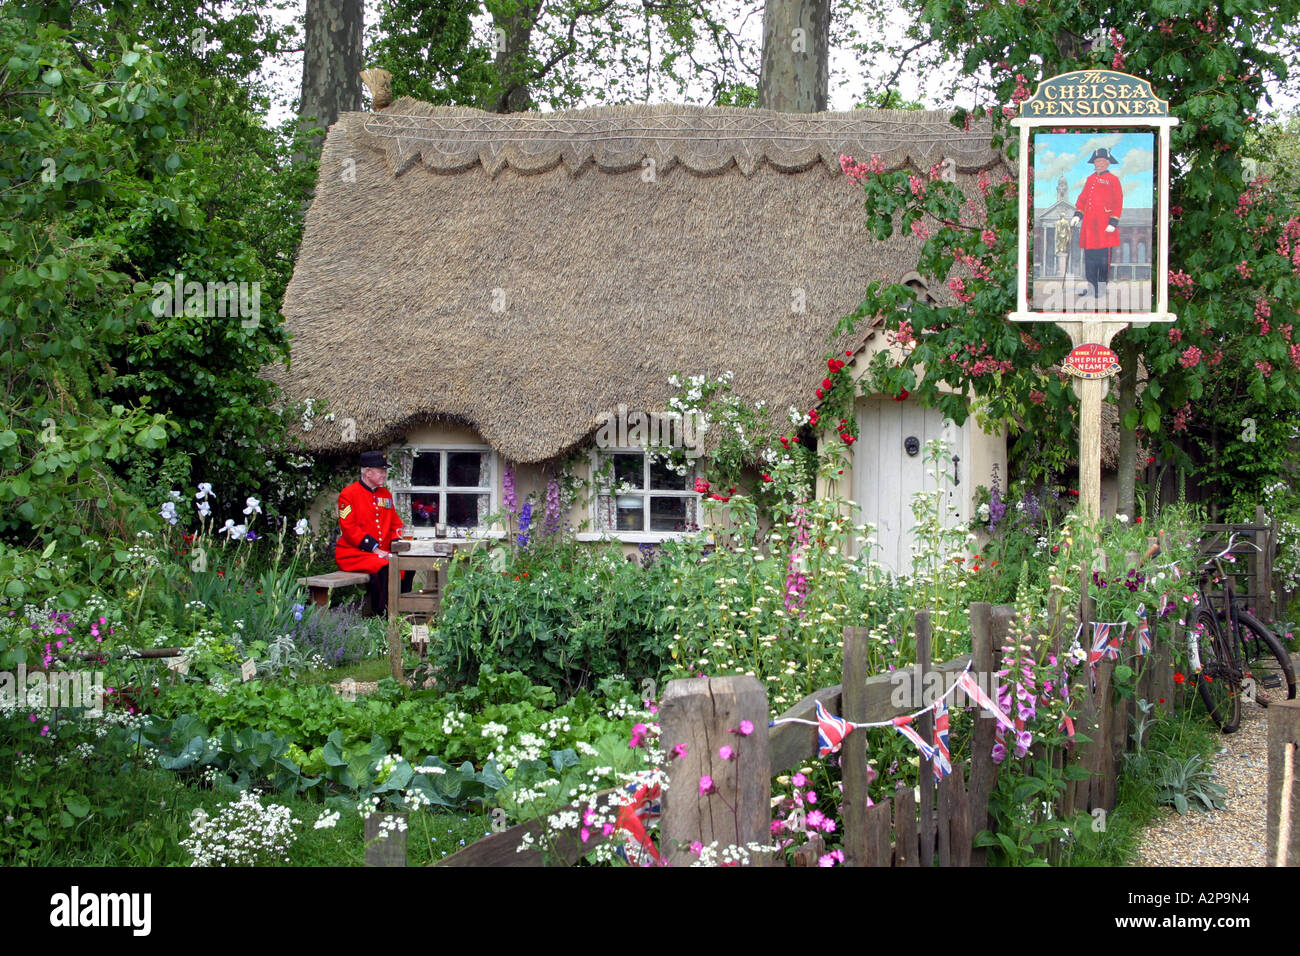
[
  {"x": 368, "y": 526},
  {"x": 1097, "y": 214}
]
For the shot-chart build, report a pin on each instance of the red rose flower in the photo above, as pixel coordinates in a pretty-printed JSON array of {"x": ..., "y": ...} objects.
[
  {"x": 766, "y": 476},
  {"x": 1179, "y": 678},
  {"x": 902, "y": 396},
  {"x": 827, "y": 383},
  {"x": 819, "y": 393}
]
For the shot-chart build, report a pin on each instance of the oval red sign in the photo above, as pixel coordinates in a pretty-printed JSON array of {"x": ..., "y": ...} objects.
[{"x": 1091, "y": 361}]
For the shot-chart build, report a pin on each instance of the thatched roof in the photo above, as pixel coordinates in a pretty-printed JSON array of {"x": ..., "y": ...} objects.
[{"x": 526, "y": 273}]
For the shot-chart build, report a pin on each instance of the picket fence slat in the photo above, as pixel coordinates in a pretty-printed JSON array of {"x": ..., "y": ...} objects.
[{"x": 906, "y": 847}]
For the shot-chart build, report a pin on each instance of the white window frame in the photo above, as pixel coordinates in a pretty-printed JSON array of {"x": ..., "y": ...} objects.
[
  {"x": 636, "y": 537},
  {"x": 478, "y": 531}
]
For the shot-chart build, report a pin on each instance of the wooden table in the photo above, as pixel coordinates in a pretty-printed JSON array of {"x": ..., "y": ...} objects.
[{"x": 422, "y": 554}]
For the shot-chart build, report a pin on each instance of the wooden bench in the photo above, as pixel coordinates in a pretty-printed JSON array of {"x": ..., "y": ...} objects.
[{"x": 320, "y": 585}]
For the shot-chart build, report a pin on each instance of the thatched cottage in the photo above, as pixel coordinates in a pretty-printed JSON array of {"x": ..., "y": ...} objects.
[{"x": 478, "y": 290}]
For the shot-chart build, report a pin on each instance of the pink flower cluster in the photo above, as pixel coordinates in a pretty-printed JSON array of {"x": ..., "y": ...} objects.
[
  {"x": 917, "y": 185},
  {"x": 1182, "y": 282},
  {"x": 1022, "y": 90},
  {"x": 1265, "y": 368},
  {"x": 1181, "y": 417},
  {"x": 958, "y": 287},
  {"x": 904, "y": 337},
  {"x": 1263, "y": 312},
  {"x": 989, "y": 238},
  {"x": 857, "y": 172},
  {"x": 1295, "y": 355},
  {"x": 1191, "y": 357},
  {"x": 977, "y": 363},
  {"x": 1117, "y": 40},
  {"x": 1175, "y": 336},
  {"x": 978, "y": 269},
  {"x": 1244, "y": 270},
  {"x": 920, "y": 230},
  {"x": 796, "y": 579}
]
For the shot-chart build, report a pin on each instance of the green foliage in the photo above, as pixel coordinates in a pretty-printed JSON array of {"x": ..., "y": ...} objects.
[
  {"x": 565, "y": 617},
  {"x": 1225, "y": 360},
  {"x": 124, "y": 167},
  {"x": 1181, "y": 781}
]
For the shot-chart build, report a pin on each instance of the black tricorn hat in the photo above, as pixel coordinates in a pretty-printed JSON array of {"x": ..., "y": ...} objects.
[
  {"x": 1103, "y": 154},
  {"x": 373, "y": 459}
]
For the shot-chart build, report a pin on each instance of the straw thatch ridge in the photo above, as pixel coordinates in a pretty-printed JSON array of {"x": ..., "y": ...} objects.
[
  {"x": 706, "y": 140},
  {"x": 525, "y": 274}
]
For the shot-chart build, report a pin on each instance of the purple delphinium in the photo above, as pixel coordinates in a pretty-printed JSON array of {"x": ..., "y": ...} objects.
[
  {"x": 997, "y": 506},
  {"x": 525, "y": 519},
  {"x": 508, "y": 484},
  {"x": 551, "y": 523},
  {"x": 997, "y": 509}
]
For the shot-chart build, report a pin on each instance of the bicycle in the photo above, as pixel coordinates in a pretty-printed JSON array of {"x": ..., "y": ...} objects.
[{"x": 1240, "y": 657}]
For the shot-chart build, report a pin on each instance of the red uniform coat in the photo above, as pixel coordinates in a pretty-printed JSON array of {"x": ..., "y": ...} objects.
[
  {"x": 367, "y": 522},
  {"x": 1101, "y": 202}
]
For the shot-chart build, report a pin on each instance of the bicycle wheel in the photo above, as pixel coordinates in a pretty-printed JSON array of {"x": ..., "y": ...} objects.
[
  {"x": 1219, "y": 682},
  {"x": 1268, "y": 663}
]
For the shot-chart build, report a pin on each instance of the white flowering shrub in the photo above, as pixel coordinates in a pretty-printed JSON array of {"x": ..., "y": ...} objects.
[{"x": 243, "y": 833}]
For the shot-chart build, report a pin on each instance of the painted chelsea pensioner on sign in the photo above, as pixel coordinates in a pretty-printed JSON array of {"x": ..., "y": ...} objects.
[
  {"x": 368, "y": 526},
  {"x": 1097, "y": 213}
]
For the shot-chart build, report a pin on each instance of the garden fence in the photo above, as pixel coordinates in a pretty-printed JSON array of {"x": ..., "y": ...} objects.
[{"x": 935, "y": 824}]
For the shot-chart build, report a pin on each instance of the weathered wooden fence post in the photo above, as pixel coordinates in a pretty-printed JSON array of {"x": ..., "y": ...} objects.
[
  {"x": 1263, "y": 567},
  {"x": 1283, "y": 764},
  {"x": 701, "y": 714},
  {"x": 853, "y": 749}
]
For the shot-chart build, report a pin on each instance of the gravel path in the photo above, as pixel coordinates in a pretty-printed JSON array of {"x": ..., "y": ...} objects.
[{"x": 1231, "y": 837}]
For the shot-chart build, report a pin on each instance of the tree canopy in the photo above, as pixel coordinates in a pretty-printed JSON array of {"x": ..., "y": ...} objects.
[{"x": 1235, "y": 271}]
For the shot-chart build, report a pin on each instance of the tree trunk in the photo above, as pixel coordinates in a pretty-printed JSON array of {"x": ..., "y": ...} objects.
[
  {"x": 331, "y": 62},
  {"x": 1126, "y": 398},
  {"x": 513, "y": 33},
  {"x": 795, "y": 71}
]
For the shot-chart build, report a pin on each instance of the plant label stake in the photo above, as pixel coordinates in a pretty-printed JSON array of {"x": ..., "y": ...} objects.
[{"x": 1100, "y": 216}]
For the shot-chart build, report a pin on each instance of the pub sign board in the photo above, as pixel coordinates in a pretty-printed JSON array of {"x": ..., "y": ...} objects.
[{"x": 1094, "y": 201}]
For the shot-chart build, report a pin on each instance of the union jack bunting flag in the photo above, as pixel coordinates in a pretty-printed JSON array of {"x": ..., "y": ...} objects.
[
  {"x": 1105, "y": 644},
  {"x": 942, "y": 758},
  {"x": 1143, "y": 634},
  {"x": 967, "y": 683},
  {"x": 904, "y": 726},
  {"x": 936, "y": 752},
  {"x": 831, "y": 732},
  {"x": 635, "y": 820}
]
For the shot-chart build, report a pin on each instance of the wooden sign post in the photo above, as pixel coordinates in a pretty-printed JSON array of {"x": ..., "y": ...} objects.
[{"x": 1091, "y": 264}]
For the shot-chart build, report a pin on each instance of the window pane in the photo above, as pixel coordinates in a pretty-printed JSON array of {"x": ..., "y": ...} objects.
[
  {"x": 427, "y": 469},
  {"x": 668, "y": 514},
  {"x": 463, "y": 469},
  {"x": 631, "y": 513},
  {"x": 628, "y": 470},
  {"x": 663, "y": 478},
  {"x": 462, "y": 510},
  {"x": 424, "y": 510}
]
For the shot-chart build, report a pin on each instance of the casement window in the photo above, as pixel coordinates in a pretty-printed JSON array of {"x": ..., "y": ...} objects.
[
  {"x": 637, "y": 496},
  {"x": 451, "y": 485}
]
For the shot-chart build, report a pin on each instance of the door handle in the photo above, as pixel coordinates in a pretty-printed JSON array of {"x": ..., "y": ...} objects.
[{"x": 956, "y": 475}]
